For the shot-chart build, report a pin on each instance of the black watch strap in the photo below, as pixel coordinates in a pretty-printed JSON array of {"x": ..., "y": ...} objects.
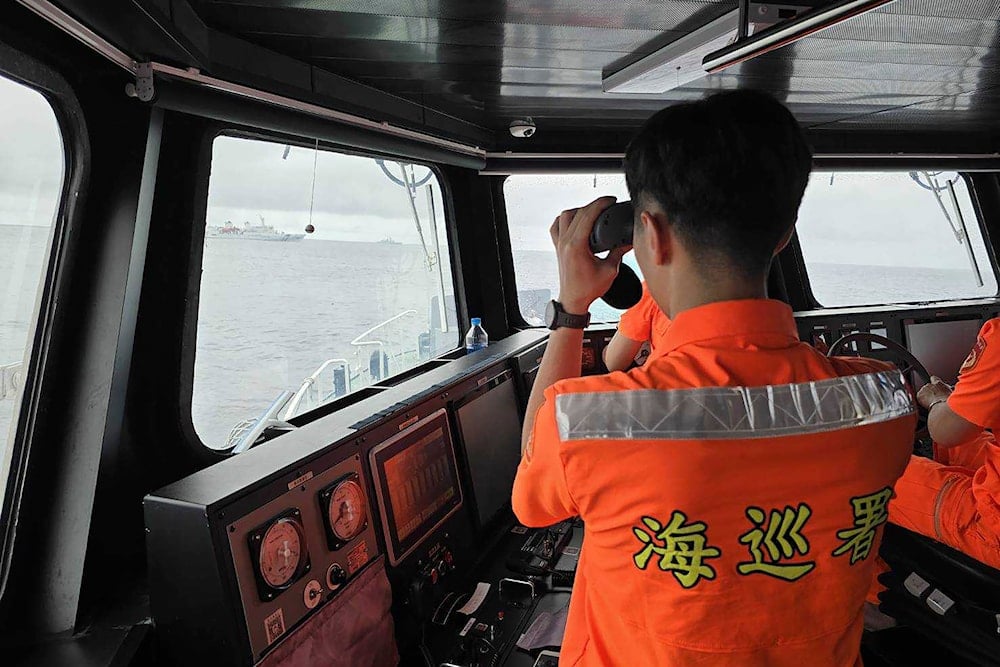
[{"x": 559, "y": 318}]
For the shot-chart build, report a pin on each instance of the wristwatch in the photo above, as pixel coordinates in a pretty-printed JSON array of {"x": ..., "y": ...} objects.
[{"x": 556, "y": 317}]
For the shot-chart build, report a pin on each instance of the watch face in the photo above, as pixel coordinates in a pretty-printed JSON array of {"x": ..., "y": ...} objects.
[{"x": 550, "y": 314}]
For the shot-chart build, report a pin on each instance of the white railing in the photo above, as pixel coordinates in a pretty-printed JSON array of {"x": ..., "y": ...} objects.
[
  {"x": 310, "y": 387},
  {"x": 389, "y": 350},
  {"x": 392, "y": 352}
]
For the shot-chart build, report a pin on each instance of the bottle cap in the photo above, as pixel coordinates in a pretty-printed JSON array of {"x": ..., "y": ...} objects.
[{"x": 477, "y": 322}]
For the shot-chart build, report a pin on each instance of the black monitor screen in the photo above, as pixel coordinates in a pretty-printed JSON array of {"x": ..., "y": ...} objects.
[
  {"x": 942, "y": 346},
  {"x": 417, "y": 483},
  {"x": 489, "y": 426}
]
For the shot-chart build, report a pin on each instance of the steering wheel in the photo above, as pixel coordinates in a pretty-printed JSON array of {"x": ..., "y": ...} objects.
[{"x": 907, "y": 364}]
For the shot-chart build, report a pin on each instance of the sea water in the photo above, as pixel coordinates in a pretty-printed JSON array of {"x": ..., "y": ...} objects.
[{"x": 270, "y": 313}]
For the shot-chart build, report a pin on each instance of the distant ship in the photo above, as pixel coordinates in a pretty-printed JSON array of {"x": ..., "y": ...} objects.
[
  {"x": 248, "y": 232},
  {"x": 388, "y": 240}
]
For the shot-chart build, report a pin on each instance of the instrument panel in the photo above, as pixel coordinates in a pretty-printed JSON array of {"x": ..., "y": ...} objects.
[
  {"x": 272, "y": 544},
  {"x": 298, "y": 551}
]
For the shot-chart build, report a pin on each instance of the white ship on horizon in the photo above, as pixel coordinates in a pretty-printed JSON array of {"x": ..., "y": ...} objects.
[{"x": 248, "y": 232}]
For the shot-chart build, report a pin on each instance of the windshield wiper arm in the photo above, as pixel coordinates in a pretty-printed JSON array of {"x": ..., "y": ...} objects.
[
  {"x": 961, "y": 232},
  {"x": 965, "y": 234},
  {"x": 266, "y": 421}
]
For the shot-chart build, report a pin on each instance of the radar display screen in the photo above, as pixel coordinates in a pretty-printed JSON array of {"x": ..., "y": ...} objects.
[
  {"x": 942, "y": 345},
  {"x": 489, "y": 428},
  {"x": 417, "y": 483}
]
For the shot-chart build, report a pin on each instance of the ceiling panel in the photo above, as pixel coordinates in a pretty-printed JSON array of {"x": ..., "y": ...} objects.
[
  {"x": 911, "y": 29},
  {"x": 945, "y": 8},
  {"x": 345, "y": 25},
  {"x": 929, "y": 65},
  {"x": 389, "y": 55},
  {"x": 640, "y": 14}
]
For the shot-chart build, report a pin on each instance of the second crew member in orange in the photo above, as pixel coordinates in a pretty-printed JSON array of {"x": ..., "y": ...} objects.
[
  {"x": 955, "y": 498},
  {"x": 642, "y": 325}
]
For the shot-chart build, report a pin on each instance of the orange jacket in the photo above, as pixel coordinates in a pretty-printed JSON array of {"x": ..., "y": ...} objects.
[
  {"x": 956, "y": 498},
  {"x": 645, "y": 322},
  {"x": 977, "y": 394},
  {"x": 733, "y": 492}
]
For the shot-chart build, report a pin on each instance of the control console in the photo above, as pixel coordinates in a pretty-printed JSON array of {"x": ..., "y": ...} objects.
[
  {"x": 428, "y": 581},
  {"x": 540, "y": 549},
  {"x": 481, "y": 619}
]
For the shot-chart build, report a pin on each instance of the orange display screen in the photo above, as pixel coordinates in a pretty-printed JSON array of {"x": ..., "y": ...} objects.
[{"x": 420, "y": 481}]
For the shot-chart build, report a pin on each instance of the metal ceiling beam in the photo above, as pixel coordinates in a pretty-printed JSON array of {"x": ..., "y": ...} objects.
[
  {"x": 504, "y": 164},
  {"x": 82, "y": 33},
  {"x": 211, "y": 83},
  {"x": 91, "y": 39}
]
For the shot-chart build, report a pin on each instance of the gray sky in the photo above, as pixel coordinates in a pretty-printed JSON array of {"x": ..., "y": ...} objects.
[
  {"x": 31, "y": 157},
  {"x": 353, "y": 199},
  {"x": 862, "y": 218}
]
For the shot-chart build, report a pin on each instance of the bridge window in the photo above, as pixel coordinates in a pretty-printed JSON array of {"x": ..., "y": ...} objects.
[
  {"x": 533, "y": 202},
  {"x": 892, "y": 237},
  {"x": 32, "y": 163},
  {"x": 323, "y": 273}
]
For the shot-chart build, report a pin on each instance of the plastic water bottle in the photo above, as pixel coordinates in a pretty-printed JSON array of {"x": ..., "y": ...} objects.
[{"x": 476, "y": 339}]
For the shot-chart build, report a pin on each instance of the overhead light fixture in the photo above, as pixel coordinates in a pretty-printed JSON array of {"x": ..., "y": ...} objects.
[
  {"x": 677, "y": 63},
  {"x": 788, "y": 32},
  {"x": 731, "y": 39}
]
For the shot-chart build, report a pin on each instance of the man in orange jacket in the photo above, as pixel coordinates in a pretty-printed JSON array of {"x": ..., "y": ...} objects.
[
  {"x": 733, "y": 488},
  {"x": 955, "y": 498},
  {"x": 642, "y": 325}
]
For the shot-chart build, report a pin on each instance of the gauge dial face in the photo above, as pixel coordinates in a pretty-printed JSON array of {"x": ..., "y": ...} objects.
[
  {"x": 281, "y": 553},
  {"x": 346, "y": 511}
]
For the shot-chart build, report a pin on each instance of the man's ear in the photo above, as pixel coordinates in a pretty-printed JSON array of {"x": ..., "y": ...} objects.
[
  {"x": 786, "y": 239},
  {"x": 658, "y": 237}
]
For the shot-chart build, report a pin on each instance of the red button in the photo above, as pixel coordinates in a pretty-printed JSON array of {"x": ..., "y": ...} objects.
[
  {"x": 447, "y": 557},
  {"x": 434, "y": 576}
]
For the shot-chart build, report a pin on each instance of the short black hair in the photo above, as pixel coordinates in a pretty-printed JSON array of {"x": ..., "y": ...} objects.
[{"x": 729, "y": 171}]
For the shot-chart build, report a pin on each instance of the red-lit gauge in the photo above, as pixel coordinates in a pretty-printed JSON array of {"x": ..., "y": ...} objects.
[
  {"x": 346, "y": 511},
  {"x": 281, "y": 553}
]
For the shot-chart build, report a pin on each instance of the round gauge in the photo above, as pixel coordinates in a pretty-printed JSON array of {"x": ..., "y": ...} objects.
[
  {"x": 281, "y": 553},
  {"x": 346, "y": 511}
]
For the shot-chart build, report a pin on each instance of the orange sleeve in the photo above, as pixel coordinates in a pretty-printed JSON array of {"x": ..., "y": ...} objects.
[
  {"x": 637, "y": 322},
  {"x": 977, "y": 395},
  {"x": 541, "y": 496}
]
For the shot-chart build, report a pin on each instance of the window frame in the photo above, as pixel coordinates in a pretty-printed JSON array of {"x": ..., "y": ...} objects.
[
  {"x": 195, "y": 273},
  {"x": 802, "y": 267},
  {"x": 505, "y": 245},
  {"x": 792, "y": 261},
  {"x": 506, "y": 248},
  {"x": 23, "y": 69}
]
